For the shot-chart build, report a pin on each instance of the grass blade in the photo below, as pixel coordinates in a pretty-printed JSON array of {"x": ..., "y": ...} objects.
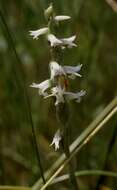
[
  {"x": 80, "y": 139},
  {"x": 27, "y": 101}
]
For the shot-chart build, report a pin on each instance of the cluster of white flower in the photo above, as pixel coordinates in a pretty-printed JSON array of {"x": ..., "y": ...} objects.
[
  {"x": 57, "y": 84},
  {"x": 54, "y": 41}
]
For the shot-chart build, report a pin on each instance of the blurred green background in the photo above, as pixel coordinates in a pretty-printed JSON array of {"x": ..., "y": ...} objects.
[{"x": 95, "y": 24}]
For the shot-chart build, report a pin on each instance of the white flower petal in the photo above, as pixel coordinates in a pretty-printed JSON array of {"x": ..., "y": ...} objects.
[
  {"x": 69, "y": 42},
  {"x": 70, "y": 45},
  {"x": 76, "y": 96},
  {"x": 58, "y": 93},
  {"x": 54, "y": 41},
  {"x": 61, "y": 18},
  {"x": 72, "y": 70},
  {"x": 61, "y": 95},
  {"x": 56, "y": 140},
  {"x": 43, "y": 86},
  {"x": 37, "y": 33},
  {"x": 56, "y": 69},
  {"x": 70, "y": 39}
]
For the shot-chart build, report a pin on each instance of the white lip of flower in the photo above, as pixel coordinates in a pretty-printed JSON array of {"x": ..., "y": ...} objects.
[
  {"x": 72, "y": 71},
  {"x": 61, "y": 18},
  {"x": 43, "y": 86},
  {"x": 61, "y": 95},
  {"x": 57, "y": 69},
  {"x": 54, "y": 41},
  {"x": 58, "y": 93},
  {"x": 56, "y": 140},
  {"x": 75, "y": 96},
  {"x": 37, "y": 33},
  {"x": 68, "y": 42}
]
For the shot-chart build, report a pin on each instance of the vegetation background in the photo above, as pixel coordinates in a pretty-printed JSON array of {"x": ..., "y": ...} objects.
[{"x": 95, "y": 24}]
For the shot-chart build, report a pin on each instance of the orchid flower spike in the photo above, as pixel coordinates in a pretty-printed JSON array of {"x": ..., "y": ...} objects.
[
  {"x": 37, "y": 33},
  {"x": 61, "y": 18},
  {"x": 54, "y": 41},
  {"x": 56, "y": 140},
  {"x": 43, "y": 86}
]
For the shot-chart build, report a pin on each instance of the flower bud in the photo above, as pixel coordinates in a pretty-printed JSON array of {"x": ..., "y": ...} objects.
[{"x": 48, "y": 12}]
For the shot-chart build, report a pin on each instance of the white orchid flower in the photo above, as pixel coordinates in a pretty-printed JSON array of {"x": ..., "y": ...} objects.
[
  {"x": 72, "y": 71},
  {"x": 56, "y": 69},
  {"x": 54, "y": 41},
  {"x": 61, "y": 95},
  {"x": 43, "y": 86},
  {"x": 69, "y": 42},
  {"x": 75, "y": 96},
  {"x": 56, "y": 140},
  {"x": 61, "y": 18},
  {"x": 37, "y": 33},
  {"x": 64, "y": 42},
  {"x": 58, "y": 92}
]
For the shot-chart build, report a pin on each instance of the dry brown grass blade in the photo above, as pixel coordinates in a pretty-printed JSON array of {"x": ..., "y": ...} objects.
[
  {"x": 82, "y": 138},
  {"x": 86, "y": 140},
  {"x": 113, "y": 4}
]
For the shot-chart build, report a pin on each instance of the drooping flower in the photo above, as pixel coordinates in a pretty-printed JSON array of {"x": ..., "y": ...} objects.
[
  {"x": 56, "y": 140},
  {"x": 68, "y": 42},
  {"x": 54, "y": 41},
  {"x": 37, "y": 33},
  {"x": 43, "y": 86},
  {"x": 61, "y": 18}
]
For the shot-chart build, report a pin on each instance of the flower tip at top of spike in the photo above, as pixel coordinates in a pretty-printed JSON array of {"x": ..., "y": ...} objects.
[{"x": 49, "y": 11}]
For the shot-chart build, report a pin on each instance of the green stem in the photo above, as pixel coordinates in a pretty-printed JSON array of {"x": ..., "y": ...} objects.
[
  {"x": 72, "y": 177},
  {"x": 62, "y": 113}
]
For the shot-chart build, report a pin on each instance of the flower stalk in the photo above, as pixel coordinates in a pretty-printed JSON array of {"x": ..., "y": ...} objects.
[{"x": 57, "y": 85}]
